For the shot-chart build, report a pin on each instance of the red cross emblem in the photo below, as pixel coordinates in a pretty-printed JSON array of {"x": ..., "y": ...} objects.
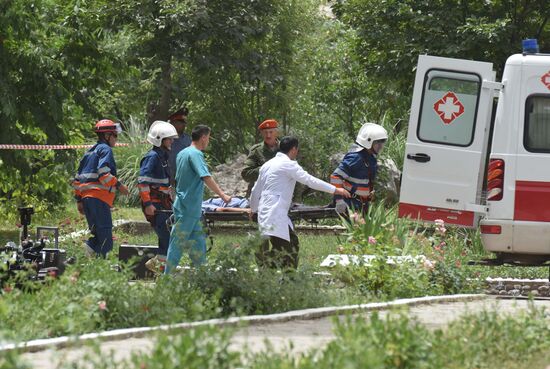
[
  {"x": 448, "y": 108},
  {"x": 545, "y": 79}
]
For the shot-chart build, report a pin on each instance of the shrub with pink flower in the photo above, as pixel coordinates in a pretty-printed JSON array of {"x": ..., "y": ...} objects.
[
  {"x": 74, "y": 277},
  {"x": 356, "y": 217},
  {"x": 440, "y": 226},
  {"x": 372, "y": 240},
  {"x": 428, "y": 264}
]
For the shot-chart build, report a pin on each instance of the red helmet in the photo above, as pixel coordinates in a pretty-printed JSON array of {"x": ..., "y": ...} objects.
[{"x": 107, "y": 126}]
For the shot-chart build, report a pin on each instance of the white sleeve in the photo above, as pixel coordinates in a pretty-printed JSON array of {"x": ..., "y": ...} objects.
[
  {"x": 256, "y": 193},
  {"x": 300, "y": 175}
]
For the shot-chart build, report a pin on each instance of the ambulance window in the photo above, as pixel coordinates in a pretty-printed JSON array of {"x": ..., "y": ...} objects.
[
  {"x": 536, "y": 137},
  {"x": 449, "y": 107}
]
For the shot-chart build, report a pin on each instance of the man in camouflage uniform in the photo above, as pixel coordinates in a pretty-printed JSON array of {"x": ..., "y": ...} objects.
[
  {"x": 179, "y": 120},
  {"x": 261, "y": 152}
]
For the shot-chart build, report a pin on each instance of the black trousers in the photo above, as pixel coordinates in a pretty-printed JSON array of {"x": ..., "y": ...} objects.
[{"x": 278, "y": 253}]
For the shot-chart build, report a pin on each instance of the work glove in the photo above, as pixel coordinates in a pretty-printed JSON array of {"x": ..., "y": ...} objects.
[{"x": 341, "y": 206}]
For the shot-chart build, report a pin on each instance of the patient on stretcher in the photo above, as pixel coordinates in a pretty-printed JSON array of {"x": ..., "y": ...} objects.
[
  {"x": 238, "y": 209},
  {"x": 237, "y": 204}
]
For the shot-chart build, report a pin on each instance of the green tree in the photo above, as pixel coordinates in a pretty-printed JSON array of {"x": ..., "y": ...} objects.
[
  {"x": 172, "y": 39},
  {"x": 50, "y": 63},
  {"x": 230, "y": 61},
  {"x": 393, "y": 33},
  {"x": 332, "y": 86},
  {"x": 31, "y": 100},
  {"x": 257, "y": 83}
]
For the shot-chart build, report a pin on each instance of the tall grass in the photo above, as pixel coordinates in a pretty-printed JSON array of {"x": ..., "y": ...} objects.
[
  {"x": 128, "y": 158},
  {"x": 397, "y": 140},
  {"x": 382, "y": 228}
]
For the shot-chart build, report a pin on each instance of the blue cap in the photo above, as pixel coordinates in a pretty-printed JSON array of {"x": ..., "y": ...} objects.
[{"x": 530, "y": 46}]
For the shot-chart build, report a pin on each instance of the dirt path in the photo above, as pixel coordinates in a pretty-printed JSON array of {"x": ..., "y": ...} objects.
[{"x": 304, "y": 335}]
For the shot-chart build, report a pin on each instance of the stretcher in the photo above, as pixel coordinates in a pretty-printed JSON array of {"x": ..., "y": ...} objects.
[
  {"x": 308, "y": 213},
  {"x": 311, "y": 214}
]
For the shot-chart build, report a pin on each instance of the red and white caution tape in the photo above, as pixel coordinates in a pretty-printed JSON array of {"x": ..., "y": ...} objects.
[{"x": 49, "y": 147}]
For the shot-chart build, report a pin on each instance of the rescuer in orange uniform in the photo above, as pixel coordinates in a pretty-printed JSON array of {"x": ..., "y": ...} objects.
[{"x": 95, "y": 185}]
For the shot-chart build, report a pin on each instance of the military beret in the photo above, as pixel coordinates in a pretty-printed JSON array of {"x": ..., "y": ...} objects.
[
  {"x": 181, "y": 114},
  {"x": 268, "y": 123}
]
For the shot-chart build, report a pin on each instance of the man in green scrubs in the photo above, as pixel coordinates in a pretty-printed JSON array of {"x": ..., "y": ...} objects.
[{"x": 191, "y": 176}]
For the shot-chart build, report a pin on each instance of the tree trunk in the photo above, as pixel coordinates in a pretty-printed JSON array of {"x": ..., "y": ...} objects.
[{"x": 160, "y": 110}]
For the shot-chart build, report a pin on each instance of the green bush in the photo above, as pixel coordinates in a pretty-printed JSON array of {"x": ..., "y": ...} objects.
[
  {"x": 381, "y": 233},
  {"x": 484, "y": 337},
  {"x": 485, "y": 340},
  {"x": 11, "y": 360},
  {"x": 93, "y": 297},
  {"x": 380, "y": 229},
  {"x": 47, "y": 185},
  {"x": 232, "y": 279},
  {"x": 203, "y": 347},
  {"x": 206, "y": 347}
]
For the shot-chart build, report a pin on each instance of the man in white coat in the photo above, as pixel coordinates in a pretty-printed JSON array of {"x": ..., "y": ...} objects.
[{"x": 271, "y": 198}]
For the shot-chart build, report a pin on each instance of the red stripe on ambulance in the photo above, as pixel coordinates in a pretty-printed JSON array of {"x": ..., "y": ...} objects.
[
  {"x": 532, "y": 201},
  {"x": 458, "y": 217}
]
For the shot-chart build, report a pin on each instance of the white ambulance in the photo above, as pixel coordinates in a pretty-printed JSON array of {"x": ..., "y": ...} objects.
[{"x": 470, "y": 165}]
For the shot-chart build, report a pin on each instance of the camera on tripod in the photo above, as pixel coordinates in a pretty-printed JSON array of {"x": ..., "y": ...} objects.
[{"x": 33, "y": 256}]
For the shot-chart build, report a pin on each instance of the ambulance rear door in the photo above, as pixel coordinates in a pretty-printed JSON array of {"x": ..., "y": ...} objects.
[{"x": 446, "y": 150}]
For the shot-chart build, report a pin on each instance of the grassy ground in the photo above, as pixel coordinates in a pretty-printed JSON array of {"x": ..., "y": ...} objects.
[
  {"x": 91, "y": 296},
  {"x": 8, "y": 235},
  {"x": 483, "y": 341},
  {"x": 540, "y": 361},
  {"x": 313, "y": 247}
]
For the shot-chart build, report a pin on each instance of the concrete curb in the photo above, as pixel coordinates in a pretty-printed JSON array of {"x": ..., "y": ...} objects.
[
  {"x": 306, "y": 314},
  {"x": 141, "y": 227}
]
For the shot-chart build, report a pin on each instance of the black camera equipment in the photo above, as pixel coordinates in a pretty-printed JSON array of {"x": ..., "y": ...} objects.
[{"x": 30, "y": 256}]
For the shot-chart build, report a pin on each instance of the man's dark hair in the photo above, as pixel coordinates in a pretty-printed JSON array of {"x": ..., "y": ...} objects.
[
  {"x": 288, "y": 143},
  {"x": 199, "y": 131}
]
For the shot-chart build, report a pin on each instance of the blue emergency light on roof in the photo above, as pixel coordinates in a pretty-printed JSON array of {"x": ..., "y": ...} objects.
[{"x": 530, "y": 46}]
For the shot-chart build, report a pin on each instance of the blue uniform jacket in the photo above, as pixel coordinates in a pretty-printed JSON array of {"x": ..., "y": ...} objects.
[
  {"x": 154, "y": 177},
  {"x": 96, "y": 176},
  {"x": 356, "y": 173}
]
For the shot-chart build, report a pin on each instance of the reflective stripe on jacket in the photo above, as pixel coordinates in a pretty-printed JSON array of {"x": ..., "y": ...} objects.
[
  {"x": 154, "y": 177},
  {"x": 96, "y": 176},
  {"x": 355, "y": 173}
]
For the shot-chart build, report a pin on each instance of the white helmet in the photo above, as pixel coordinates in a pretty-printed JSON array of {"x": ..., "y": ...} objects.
[
  {"x": 369, "y": 133},
  {"x": 160, "y": 130}
]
